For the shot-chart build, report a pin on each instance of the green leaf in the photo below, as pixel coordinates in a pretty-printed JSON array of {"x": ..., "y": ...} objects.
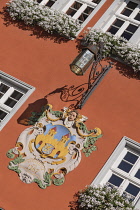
[
  {"x": 10, "y": 154},
  {"x": 58, "y": 182}
]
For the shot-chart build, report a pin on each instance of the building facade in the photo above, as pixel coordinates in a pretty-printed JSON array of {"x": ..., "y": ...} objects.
[{"x": 35, "y": 71}]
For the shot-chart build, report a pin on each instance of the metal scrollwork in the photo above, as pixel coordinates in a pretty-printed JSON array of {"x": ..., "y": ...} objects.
[{"x": 81, "y": 93}]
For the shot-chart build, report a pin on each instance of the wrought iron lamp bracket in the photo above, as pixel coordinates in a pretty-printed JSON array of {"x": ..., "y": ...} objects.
[
  {"x": 81, "y": 93},
  {"x": 95, "y": 77}
]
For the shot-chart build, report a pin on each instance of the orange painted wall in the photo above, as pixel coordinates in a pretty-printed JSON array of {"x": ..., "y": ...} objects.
[{"x": 44, "y": 64}]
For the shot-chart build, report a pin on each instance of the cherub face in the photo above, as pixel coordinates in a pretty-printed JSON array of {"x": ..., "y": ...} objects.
[{"x": 72, "y": 116}]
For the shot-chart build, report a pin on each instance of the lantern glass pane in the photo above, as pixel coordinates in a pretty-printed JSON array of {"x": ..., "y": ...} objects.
[
  {"x": 76, "y": 70},
  {"x": 85, "y": 58},
  {"x": 82, "y": 62}
]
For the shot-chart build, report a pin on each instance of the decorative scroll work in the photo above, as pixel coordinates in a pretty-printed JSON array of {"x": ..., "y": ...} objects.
[
  {"x": 51, "y": 148},
  {"x": 78, "y": 95}
]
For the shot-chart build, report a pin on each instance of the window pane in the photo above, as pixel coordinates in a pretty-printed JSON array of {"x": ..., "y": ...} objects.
[
  {"x": 118, "y": 23},
  {"x": 96, "y": 1},
  {"x": 88, "y": 10},
  {"x": 127, "y": 12},
  {"x": 115, "y": 180},
  {"x": 1, "y": 95},
  {"x": 2, "y": 114},
  {"x": 132, "y": 5},
  {"x": 137, "y": 17},
  {"x": 125, "y": 166},
  {"x": 82, "y": 18},
  {"x": 113, "y": 30},
  {"x": 10, "y": 102},
  {"x": 71, "y": 12},
  {"x": 73, "y": 9},
  {"x": 3, "y": 88},
  {"x": 85, "y": 14},
  {"x": 132, "y": 189},
  {"x": 16, "y": 95},
  {"x": 131, "y": 157},
  {"x": 50, "y": 3},
  {"x": 76, "y": 5},
  {"x": 131, "y": 28},
  {"x": 126, "y": 35},
  {"x": 129, "y": 8},
  {"x": 138, "y": 174},
  {"x": 115, "y": 26}
]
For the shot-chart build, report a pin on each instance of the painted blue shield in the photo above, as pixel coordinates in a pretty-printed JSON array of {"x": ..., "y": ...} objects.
[{"x": 61, "y": 131}]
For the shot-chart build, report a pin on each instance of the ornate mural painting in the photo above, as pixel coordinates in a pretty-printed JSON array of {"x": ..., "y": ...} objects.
[{"x": 51, "y": 148}]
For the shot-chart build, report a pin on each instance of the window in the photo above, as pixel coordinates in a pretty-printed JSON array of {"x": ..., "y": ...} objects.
[
  {"x": 124, "y": 172},
  {"x": 50, "y": 3},
  {"x": 85, "y": 14},
  {"x": 129, "y": 31},
  {"x": 13, "y": 93},
  {"x": 127, "y": 11},
  {"x": 127, "y": 21},
  {"x": 122, "y": 19},
  {"x": 81, "y": 9},
  {"x": 74, "y": 8},
  {"x": 116, "y": 26}
]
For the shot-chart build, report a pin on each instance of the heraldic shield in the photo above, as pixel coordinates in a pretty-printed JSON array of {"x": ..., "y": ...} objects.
[{"x": 46, "y": 151}]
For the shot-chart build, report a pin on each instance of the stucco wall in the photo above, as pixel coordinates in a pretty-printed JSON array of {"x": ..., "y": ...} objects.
[{"x": 44, "y": 63}]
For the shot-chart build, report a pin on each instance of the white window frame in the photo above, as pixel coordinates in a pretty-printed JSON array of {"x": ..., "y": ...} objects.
[
  {"x": 127, "y": 20},
  {"x": 84, "y": 3},
  {"x": 110, "y": 167},
  {"x": 113, "y": 12},
  {"x": 14, "y": 84}
]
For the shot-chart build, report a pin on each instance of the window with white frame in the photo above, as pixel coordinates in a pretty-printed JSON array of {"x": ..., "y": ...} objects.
[
  {"x": 74, "y": 8},
  {"x": 127, "y": 20},
  {"x": 81, "y": 10},
  {"x": 13, "y": 94},
  {"x": 123, "y": 170}
]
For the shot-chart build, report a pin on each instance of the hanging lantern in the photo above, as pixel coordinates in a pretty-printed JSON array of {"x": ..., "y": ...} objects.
[{"x": 82, "y": 62}]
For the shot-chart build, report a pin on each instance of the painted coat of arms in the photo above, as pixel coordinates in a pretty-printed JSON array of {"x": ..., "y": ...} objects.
[{"x": 51, "y": 148}]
